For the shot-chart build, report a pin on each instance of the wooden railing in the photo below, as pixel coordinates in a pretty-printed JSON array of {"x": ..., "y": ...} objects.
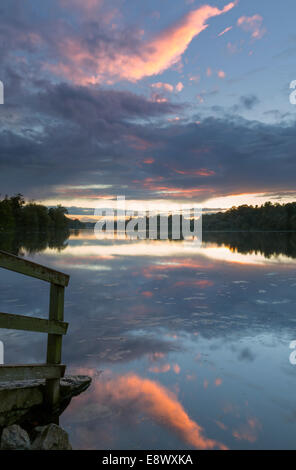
[{"x": 55, "y": 327}]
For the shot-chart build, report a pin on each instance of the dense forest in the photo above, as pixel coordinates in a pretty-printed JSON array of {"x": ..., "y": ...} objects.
[
  {"x": 16, "y": 214},
  {"x": 278, "y": 217}
]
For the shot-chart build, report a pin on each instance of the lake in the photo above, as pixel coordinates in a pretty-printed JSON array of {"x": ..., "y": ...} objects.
[{"x": 187, "y": 345}]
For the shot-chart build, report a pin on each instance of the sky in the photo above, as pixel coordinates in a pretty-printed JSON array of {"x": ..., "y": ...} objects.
[{"x": 164, "y": 102}]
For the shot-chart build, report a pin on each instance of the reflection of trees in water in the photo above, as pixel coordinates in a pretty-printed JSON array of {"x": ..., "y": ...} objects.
[
  {"x": 34, "y": 242},
  {"x": 265, "y": 243}
]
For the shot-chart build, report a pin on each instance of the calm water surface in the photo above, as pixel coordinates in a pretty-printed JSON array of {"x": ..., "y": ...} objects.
[{"x": 193, "y": 342}]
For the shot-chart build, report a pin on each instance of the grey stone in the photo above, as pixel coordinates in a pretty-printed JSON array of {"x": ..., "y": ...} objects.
[
  {"x": 51, "y": 437},
  {"x": 15, "y": 438}
]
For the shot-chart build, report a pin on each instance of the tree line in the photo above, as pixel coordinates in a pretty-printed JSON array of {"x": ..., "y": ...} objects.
[
  {"x": 273, "y": 217},
  {"x": 267, "y": 217},
  {"x": 17, "y": 214}
]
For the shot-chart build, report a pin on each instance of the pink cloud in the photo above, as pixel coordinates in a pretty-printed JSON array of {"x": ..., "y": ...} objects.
[
  {"x": 84, "y": 65},
  {"x": 194, "y": 78},
  {"x": 248, "y": 431},
  {"x": 161, "y": 369},
  {"x": 225, "y": 31},
  {"x": 252, "y": 24},
  {"x": 157, "y": 98},
  {"x": 201, "y": 172},
  {"x": 221, "y": 74},
  {"x": 156, "y": 356},
  {"x": 147, "y": 293},
  {"x": 232, "y": 48},
  {"x": 179, "y": 86},
  {"x": 221, "y": 425},
  {"x": 144, "y": 396},
  {"x": 176, "y": 368},
  {"x": 164, "y": 86},
  {"x": 174, "y": 119},
  {"x": 137, "y": 143}
]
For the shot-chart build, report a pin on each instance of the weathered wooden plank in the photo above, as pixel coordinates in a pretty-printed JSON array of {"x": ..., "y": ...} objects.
[
  {"x": 56, "y": 313},
  {"x": 21, "y": 322},
  {"x": 54, "y": 342},
  {"x": 31, "y": 371},
  {"x": 23, "y": 266}
]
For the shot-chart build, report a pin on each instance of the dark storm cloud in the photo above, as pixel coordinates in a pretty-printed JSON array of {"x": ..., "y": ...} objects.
[
  {"x": 90, "y": 106},
  {"x": 249, "y": 101},
  {"x": 64, "y": 135},
  {"x": 240, "y": 156},
  {"x": 246, "y": 103},
  {"x": 58, "y": 134},
  {"x": 95, "y": 136},
  {"x": 62, "y": 132},
  {"x": 246, "y": 355}
]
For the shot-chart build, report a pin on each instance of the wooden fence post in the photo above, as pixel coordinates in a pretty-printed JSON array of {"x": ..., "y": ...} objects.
[
  {"x": 54, "y": 342},
  {"x": 55, "y": 327}
]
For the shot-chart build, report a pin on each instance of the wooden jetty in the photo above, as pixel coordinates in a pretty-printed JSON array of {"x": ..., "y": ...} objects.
[{"x": 55, "y": 327}]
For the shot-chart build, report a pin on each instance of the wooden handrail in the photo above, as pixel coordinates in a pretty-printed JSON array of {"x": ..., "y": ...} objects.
[
  {"x": 55, "y": 327},
  {"x": 41, "y": 325},
  {"x": 29, "y": 268}
]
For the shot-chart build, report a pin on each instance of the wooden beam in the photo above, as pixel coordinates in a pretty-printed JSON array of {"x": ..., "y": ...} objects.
[
  {"x": 31, "y": 372},
  {"x": 23, "y": 266},
  {"x": 21, "y": 322},
  {"x": 54, "y": 342}
]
